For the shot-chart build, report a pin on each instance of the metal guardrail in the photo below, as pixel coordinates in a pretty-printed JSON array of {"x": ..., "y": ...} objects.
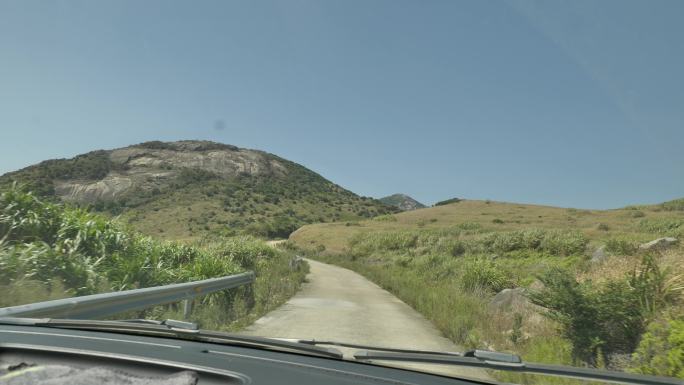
[{"x": 102, "y": 305}]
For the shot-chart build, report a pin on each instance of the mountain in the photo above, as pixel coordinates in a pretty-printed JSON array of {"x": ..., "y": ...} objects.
[
  {"x": 186, "y": 189},
  {"x": 402, "y": 201}
]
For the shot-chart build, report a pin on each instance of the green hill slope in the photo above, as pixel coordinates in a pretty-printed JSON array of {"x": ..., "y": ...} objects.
[{"x": 186, "y": 189}]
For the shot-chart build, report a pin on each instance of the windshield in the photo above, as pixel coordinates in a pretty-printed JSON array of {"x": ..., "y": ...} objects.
[{"x": 429, "y": 175}]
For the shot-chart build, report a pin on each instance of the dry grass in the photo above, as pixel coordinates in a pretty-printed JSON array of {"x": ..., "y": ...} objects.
[{"x": 620, "y": 222}]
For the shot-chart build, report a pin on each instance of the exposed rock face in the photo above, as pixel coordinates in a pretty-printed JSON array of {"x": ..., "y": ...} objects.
[
  {"x": 105, "y": 189},
  {"x": 658, "y": 244},
  {"x": 148, "y": 165},
  {"x": 402, "y": 201},
  {"x": 226, "y": 161}
]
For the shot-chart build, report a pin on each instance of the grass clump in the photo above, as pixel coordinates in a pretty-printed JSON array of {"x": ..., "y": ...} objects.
[
  {"x": 555, "y": 242},
  {"x": 385, "y": 218},
  {"x": 621, "y": 246},
  {"x": 662, "y": 226},
  {"x": 484, "y": 275}
]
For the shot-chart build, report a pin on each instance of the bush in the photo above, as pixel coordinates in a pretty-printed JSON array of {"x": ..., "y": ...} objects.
[
  {"x": 663, "y": 226},
  {"x": 608, "y": 319},
  {"x": 674, "y": 205},
  {"x": 602, "y": 227},
  {"x": 621, "y": 246},
  {"x": 597, "y": 321},
  {"x": 551, "y": 241},
  {"x": 365, "y": 244},
  {"x": 385, "y": 218},
  {"x": 484, "y": 275},
  {"x": 448, "y": 201},
  {"x": 661, "y": 350}
]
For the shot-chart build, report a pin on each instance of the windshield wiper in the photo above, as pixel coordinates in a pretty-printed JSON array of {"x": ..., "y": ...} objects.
[
  {"x": 503, "y": 361},
  {"x": 176, "y": 329},
  {"x": 369, "y": 347}
]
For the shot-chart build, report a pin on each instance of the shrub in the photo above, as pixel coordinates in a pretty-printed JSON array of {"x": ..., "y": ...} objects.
[
  {"x": 663, "y": 226},
  {"x": 608, "y": 319},
  {"x": 448, "y": 201},
  {"x": 602, "y": 227},
  {"x": 621, "y": 246},
  {"x": 561, "y": 242},
  {"x": 674, "y": 205},
  {"x": 469, "y": 226},
  {"x": 385, "y": 218},
  {"x": 484, "y": 275},
  {"x": 661, "y": 350},
  {"x": 597, "y": 321},
  {"x": 554, "y": 242}
]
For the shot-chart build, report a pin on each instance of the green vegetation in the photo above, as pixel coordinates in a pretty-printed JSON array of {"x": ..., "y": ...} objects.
[
  {"x": 674, "y": 205},
  {"x": 38, "y": 178},
  {"x": 579, "y": 311},
  {"x": 604, "y": 321},
  {"x": 50, "y": 251},
  {"x": 448, "y": 201},
  {"x": 663, "y": 226},
  {"x": 621, "y": 246},
  {"x": 661, "y": 351}
]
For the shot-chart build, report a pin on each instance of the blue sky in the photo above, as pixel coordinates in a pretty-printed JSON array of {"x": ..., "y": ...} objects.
[{"x": 569, "y": 103}]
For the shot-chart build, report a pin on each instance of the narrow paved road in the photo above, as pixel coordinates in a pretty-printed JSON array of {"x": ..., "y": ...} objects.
[{"x": 338, "y": 304}]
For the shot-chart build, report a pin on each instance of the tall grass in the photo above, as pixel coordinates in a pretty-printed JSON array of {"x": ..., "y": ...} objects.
[{"x": 50, "y": 251}]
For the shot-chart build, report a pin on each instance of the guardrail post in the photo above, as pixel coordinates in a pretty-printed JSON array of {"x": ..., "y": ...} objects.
[{"x": 187, "y": 308}]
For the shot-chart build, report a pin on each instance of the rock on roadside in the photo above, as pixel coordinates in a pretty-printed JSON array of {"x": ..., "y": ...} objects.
[
  {"x": 509, "y": 299},
  {"x": 657, "y": 244}
]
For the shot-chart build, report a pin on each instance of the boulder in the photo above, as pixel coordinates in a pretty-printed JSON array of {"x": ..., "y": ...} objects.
[
  {"x": 658, "y": 244},
  {"x": 510, "y": 299}
]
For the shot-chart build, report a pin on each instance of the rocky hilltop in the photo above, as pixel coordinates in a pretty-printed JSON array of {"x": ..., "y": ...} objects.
[
  {"x": 186, "y": 188},
  {"x": 402, "y": 201}
]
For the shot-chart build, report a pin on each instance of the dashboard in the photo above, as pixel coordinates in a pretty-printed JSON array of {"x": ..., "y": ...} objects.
[{"x": 160, "y": 359}]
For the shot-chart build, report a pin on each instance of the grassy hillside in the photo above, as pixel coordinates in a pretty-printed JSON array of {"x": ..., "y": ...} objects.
[
  {"x": 619, "y": 310},
  {"x": 183, "y": 190},
  {"x": 641, "y": 223},
  {"x": 49, "y": 251}
]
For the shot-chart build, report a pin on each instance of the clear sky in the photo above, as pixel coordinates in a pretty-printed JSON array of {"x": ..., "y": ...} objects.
[{"x": 569, "y": 103}]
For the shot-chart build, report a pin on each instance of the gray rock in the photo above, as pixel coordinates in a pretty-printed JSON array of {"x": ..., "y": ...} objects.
[
  {"x": 510, "y": 298},
  {"x": 658, "y": 244},
  {"x": 599, "y": 255}
]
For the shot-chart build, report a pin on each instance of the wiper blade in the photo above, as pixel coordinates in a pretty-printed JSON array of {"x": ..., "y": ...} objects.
[
  {"x": 369, "y": 347},
  {"x": 511, "y": 362},
  {"x": 176, "y": 329}
]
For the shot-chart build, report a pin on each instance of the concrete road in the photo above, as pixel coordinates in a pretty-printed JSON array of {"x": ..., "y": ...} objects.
[{"x": 340, "y": 305}]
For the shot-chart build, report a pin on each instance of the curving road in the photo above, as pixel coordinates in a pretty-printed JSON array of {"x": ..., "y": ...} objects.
[{"x": 341, "y": 305}]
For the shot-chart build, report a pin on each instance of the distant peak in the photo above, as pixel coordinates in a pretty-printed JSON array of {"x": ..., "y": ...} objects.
[{"x": 402, "y": 201}]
